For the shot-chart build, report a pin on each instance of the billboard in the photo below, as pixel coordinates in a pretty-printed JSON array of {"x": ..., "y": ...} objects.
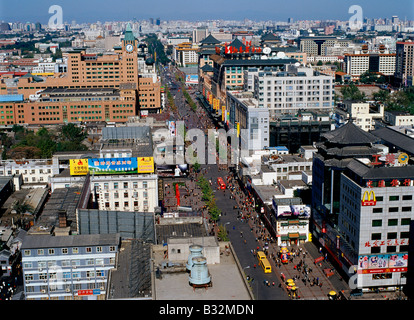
[
  {"x": 383, "y": 263},
  {"x": 146, "y": 165},
  {"x": 113, "y": 165},
  {"x": 172, "y": 128},
  {"x": 78, "y": 167},
  {"x": 191, "y": 79},
  {"x": 172, "y": 170}
]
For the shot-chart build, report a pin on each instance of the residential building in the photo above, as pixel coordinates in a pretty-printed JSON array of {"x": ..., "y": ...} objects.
[
  {"x": 72, "y": 267},
  {"x": 293, "y": 89},
  {"x": 398, "y": 118},
  {"x": 185, "y": 54},
  {"x": 361, "y": 114}
]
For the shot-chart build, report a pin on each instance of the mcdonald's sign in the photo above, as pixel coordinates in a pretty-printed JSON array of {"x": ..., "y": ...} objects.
[{"x": 368, "y": 199}]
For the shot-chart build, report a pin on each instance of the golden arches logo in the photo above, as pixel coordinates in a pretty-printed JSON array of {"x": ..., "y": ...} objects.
[{"x": 368, "y": 199}]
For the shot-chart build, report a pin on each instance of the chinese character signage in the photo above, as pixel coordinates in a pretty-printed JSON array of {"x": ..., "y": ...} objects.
[
  {"x": 113, "y": 165},
  {"x": 146, "y": 165},
  {"x": 78, "y": 167}
]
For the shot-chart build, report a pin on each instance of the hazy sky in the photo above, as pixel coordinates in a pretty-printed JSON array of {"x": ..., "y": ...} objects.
[{"x": 193, "y": 10}]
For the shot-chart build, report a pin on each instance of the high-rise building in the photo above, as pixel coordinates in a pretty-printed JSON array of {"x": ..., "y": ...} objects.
[
  {"x": 199, "y": 34},
  {"x": 404, "y": 64},
  {"x": 359, "y": 63},
  {"x": 317, "y": 45}
]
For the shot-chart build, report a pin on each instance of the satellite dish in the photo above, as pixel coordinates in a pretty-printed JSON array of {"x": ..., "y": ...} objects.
[
  {"x": 267, "y": 50},
  {"x": 281, "y": 55},
  {"x": 297, "y": 64},
  {"x": 264, "y": 57}
]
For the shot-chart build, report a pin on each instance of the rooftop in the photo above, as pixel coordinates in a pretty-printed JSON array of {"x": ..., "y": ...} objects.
[{"x": 49, "y": 241}]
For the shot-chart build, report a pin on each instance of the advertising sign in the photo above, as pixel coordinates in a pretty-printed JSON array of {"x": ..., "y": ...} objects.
[
  {"x": 145, "y": 165},
  {"x": 113, "y": 165},
  {"x": 78, "y": 167},
  {"x": 172, "y": 170},
  {"x": 368, "y": 199},
  {"x": 172, "y": 127},
  {"x": 383, "y": 263},
  {"x": 191, "y": 79}
]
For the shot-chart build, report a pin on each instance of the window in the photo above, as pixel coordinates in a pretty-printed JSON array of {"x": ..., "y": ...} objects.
[
  {"x": 27, "y": 253},
  {"x": 375, "y": 249},
  {"x": 112, "y": 249},
  {"x": 392, "y": 235},
  {"x": 404, "y": 235},
  {"x": 407, "y": 197},
  {"x": 75, "y": 250},
  {"x": 88, "y": 249},
  {"x": 144, "y": 184},
  {"x": 391, "y": 249},
  {"x": 406, "y": 209},
  {"x": 392, "y": 222},
  {"x": 394, "y": 198},
  {"x": 40, "y": 252},
  {"x": 405, "y": 221},
  {"x": 377, "y": 223},
  {"x": 380, "y": 198},
  {"x": 98, "y": 249},
  {"x": 376, "y": 236},
  {"x": 377, "y": 210},
  {"x": 393, "y": 209},
  {"x": 65, "y": 251},
  {"x": 51, "y": 251}
]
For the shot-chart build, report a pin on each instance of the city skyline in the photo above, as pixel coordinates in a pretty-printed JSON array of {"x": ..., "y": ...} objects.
[{"x": 260, "y": 10}]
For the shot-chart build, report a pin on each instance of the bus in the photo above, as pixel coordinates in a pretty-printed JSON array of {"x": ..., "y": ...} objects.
[
  {"x": 220, "y": 183},
  {"x": 260, "y": 255},
  {"x": 265, "y": 264}
]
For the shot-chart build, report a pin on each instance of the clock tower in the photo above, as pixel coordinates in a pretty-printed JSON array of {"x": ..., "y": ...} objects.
[{"x": 129, "y": 56}]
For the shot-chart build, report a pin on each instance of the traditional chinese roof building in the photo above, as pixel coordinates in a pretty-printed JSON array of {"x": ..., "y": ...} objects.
[{"x": 362, "y": 193}]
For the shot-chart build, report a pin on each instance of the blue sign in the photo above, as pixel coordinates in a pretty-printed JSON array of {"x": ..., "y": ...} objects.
[{"x": 113, "y": 165}]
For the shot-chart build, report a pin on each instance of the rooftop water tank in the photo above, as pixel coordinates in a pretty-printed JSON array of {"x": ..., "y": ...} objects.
[
  {"x": 195, "y": 251},
  {"x": 199, "y": 272}
]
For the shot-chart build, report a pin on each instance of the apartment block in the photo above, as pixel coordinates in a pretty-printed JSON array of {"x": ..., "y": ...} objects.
[
  {"x": 296, "y": 88},
  {"x": 72, "y": 267}
]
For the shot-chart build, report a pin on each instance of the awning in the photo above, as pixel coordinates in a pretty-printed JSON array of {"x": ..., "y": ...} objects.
[{"x": 293, "y": 235}]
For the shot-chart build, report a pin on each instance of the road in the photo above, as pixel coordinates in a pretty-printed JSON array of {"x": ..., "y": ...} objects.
[{"x": 248, "y": 234}]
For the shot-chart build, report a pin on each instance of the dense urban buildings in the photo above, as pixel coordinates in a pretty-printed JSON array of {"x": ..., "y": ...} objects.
[{"x": 303, "y": 175}]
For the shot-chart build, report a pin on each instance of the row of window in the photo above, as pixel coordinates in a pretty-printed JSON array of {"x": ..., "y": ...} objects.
[
  {"x": 391, "y": 222},
  {"x": 65, "y": 275},
  {"x": 52, "y": 251}
]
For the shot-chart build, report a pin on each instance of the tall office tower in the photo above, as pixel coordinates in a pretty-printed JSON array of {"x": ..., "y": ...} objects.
[
  {"x": 317, "y": 45},
  {"x": 199, "y": 34},
  {"x": 404, "y": 63},
  {"x": 158, "y": 21}
]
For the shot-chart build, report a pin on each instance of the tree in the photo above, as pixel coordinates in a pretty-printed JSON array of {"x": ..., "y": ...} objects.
[
  {"x": 24, "y": 152},
  {"x": 351, "y": 92},
  {"x": 382, "y": 96},
  {"x": 222, "y": 233},
  {"x": 71, "y": 138}
]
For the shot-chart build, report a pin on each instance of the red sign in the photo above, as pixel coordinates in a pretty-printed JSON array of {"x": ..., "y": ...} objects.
[
  {"x": 368, "y": 199},
  {"x": 390, "y": 242},
  {"x": 383, "y": 270},
  {"x": 88, "y": 292}
]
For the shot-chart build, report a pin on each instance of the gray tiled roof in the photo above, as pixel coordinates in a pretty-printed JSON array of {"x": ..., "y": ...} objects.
[
  {"x": 398, "y": 139},
  {"x": 50, "y": 241},
  {"x": 351, "y": 134}
]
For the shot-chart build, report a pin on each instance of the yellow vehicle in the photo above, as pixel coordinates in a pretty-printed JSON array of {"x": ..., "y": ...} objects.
[
  {"x": 261, "y": 255},
  {"x": 265, "y": 264}
]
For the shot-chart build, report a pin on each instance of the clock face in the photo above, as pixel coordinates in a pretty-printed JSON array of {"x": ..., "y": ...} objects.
[{"x": 129, "y": 47}]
